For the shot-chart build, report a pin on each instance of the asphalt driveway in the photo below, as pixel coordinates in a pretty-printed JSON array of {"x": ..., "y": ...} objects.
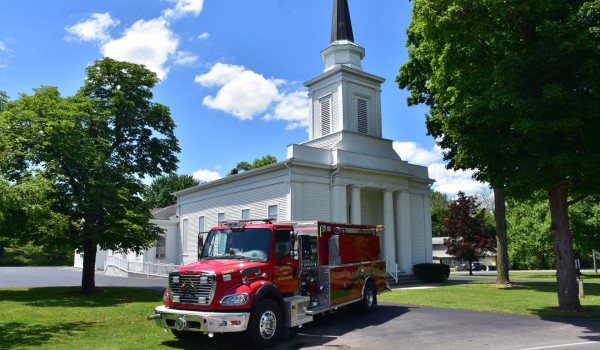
[{"x": 11, "y": 277}]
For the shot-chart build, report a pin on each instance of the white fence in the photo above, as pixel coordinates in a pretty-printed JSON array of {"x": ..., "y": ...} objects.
[
  {"x": 391, "y": 268},
  {"x": 149, "y": 269}
]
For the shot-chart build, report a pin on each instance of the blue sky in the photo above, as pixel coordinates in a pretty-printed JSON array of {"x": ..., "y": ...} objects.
[{"x": 232, "y": 70}]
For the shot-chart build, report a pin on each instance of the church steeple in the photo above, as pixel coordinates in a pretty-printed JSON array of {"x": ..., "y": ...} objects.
[
  {"x": 342, "y": 50},
  {"x": 344, "y": 98},
  {"x": 341, "y": 26}
]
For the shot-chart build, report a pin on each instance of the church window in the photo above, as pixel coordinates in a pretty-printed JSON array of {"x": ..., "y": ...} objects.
[
  {"x": 362, "y": 114},
  {"x": 161, "y": 247},
  {"x": 272, "y": 212}
]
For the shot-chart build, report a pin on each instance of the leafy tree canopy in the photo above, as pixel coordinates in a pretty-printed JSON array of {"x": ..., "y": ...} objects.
[
  {"x": 513, "y": 89},
  {"x": 160, "y": 193},
  {"x": 439, "y": 206},
  {"x": 258, "y": 163},
  {"x": 93, "y": 148}
]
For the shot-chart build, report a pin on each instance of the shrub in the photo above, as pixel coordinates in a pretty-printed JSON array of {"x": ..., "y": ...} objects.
[{"x": 429, "y": 272}]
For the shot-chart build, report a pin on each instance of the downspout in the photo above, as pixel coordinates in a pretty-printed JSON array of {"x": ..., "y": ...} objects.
[{"x": 337, "y": 170}]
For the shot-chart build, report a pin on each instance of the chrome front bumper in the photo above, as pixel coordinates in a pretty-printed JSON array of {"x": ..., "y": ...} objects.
[{"x": 200, "y": 321}]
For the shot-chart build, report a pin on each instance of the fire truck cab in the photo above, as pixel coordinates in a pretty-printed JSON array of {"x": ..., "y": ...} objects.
[{"x": 264, "y": 278}]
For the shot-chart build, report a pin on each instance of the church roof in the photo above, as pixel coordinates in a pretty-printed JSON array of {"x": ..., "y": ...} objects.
[
  {"x": 341, "y": 27},
  {"x": 164, "y": 213}
]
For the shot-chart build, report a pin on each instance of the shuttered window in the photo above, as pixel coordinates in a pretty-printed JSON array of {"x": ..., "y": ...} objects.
[
  {"x": 363, "y": 125},
  {"x": 325, "y": 117}
]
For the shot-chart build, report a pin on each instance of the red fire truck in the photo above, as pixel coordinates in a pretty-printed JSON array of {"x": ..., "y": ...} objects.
[{"x": 265, "y": 278}]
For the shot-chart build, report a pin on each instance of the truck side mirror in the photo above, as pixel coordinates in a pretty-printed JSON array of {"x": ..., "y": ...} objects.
[{"x": 200, "y": 244}]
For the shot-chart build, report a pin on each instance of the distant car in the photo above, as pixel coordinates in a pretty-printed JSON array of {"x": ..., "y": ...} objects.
[
  {"x": 461, "y": 267},
  {"x": 477, "y": 266},
  {"x": 491, "y": 268}
]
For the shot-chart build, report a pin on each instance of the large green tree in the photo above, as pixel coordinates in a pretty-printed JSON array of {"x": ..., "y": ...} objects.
[
  {"x": 95, "y": 147},
  {"x": 258, "y": 163},
  {"x": 513, "y": 89},
  {"x": 530, "y": 245},
  {"x": 439, "y": 206},
  {"x": 160, "y": 192}
]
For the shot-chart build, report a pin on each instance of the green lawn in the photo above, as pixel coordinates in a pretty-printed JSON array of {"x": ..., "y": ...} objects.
[
  {"x": 112, "y": 318},
  {"x": 115, "y": 318},
  {"x": 527, "y": 298}
]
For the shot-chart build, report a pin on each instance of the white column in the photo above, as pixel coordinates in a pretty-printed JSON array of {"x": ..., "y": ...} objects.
[
  {"x": 356, "y": 212},
  {"x": 389, "y": 232},
  {"x": 339, "y": 212},
  {"x": 427, "y": 216},
  {"x": 404, "y": 243}
]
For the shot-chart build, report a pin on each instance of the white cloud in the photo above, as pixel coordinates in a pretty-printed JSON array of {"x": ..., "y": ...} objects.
[
  {"x": 450, "y": 182},
  {"x": 183, "y": 8},
  {"x": 292, "y": 108},
  {"x": 206, "y": 175},
  {"x": 243, "y": 93},
  {"x": 93, "y": 29},
  {"x": 417, "y": 155},
  {"x": 2, "y": 46},
  {"x": 184, "y": 58},
  {"x": 203, "y": 36},
  {"x": 446, "y": 181},
  {"x": 150, "y": 42},
  {"x": 220, "y": 74}
]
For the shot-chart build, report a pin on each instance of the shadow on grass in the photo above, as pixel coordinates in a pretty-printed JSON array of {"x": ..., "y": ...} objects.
[
  {"x": 72, "y": 297},
  {"x": 16, "y": 335}
]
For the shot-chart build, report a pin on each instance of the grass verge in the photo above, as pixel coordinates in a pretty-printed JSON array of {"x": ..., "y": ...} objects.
[
  {"x": 111, "y": 318},
  {"x": 526, "y": 298}
]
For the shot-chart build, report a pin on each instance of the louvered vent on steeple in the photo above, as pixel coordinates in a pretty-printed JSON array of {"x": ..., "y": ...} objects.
[
  {"x": 362, "y": 116},
  {"x": 325, "y": 117}
]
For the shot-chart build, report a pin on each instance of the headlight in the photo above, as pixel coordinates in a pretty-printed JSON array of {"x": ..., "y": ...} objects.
[{"x": 234, "y": 299}]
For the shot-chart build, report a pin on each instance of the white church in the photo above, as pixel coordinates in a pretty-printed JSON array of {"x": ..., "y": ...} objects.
[{"x": 345, "y": 172}]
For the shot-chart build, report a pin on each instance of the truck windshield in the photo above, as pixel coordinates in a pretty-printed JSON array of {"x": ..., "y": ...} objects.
[{"x": 249, "y": 244}]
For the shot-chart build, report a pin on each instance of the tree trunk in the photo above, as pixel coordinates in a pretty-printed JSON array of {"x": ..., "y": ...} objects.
[
  {"x": 502, "y": 264},
  {"x": 568, "y": 290},
  {"x": 88, "y": 283}
]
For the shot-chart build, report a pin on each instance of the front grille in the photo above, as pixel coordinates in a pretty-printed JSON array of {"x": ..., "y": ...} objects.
[{"x": 192, "y": 289}]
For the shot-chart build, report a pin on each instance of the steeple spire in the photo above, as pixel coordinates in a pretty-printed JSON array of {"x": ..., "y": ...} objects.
[{"x": 341, "y": 27}]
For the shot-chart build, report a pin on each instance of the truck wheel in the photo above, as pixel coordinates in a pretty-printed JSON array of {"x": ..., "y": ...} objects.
[
  {"x": 369, "y": 300},
  {"x": 265, "y": 325}
]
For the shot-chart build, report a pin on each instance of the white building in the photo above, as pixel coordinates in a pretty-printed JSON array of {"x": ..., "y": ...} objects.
[{"x": 345, "y": 172}]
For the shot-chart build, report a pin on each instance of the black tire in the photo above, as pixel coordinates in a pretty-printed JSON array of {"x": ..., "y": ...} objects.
[
  {"x": 369, "y": 300},
  {"x": 266, "y": 324}
]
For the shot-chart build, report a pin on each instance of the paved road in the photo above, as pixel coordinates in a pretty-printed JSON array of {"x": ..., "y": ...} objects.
[
  {"x": 68, "y": 276},
  {"x": 392, "y": 326}
]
